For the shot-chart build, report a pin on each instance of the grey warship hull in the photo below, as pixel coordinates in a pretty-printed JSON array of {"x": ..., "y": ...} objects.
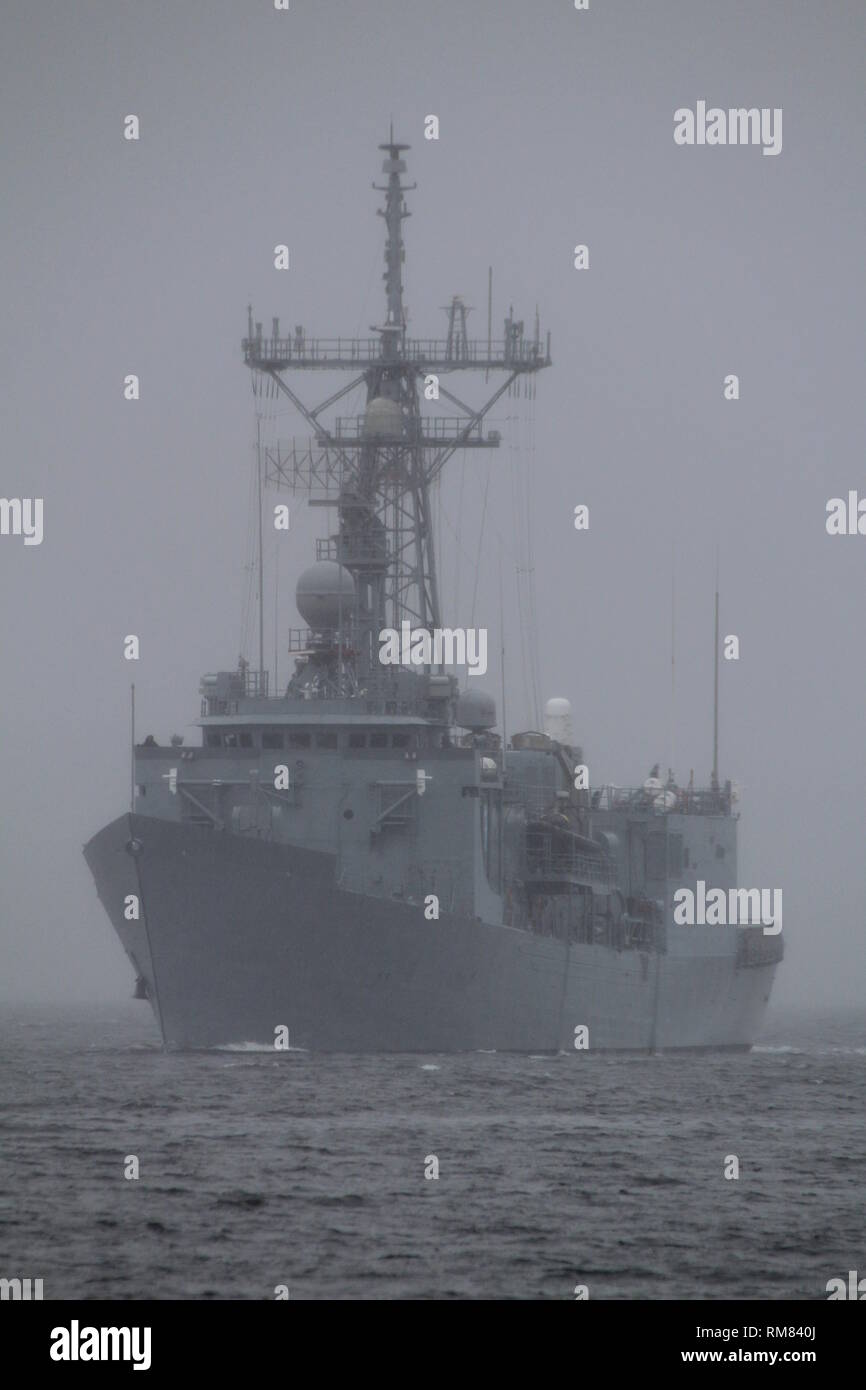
[
  {"x": 365, "y": 861},
  {"x": 239, "y": 938}
]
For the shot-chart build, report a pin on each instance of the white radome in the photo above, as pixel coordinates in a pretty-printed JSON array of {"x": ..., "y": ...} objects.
[
  {"x": 383, "y": 419},
  {"x": 325, "y": 595},
  {"x": 557, "y": 720},
  {"x": 476, "y": 710}
]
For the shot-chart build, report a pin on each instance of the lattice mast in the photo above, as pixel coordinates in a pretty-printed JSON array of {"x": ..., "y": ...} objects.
[{"x": 378, "y": 470}]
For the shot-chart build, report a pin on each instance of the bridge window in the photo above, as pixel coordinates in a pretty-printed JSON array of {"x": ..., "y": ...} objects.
[
  {"x": 357, "y": 740},
  {"x": 246, "y": 740},
  {"x": 213, "y": 739},
  {"x": 378, "y": 740},
  {"x": 299, "y": 740},
  {"x": 328, "y": 740},
  {"x": 400, "y": 740},
  {"x": 272, "y": 740}
]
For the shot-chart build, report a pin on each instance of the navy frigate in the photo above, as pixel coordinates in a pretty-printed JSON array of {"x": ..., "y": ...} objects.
[{"x": 362, "y": 862}]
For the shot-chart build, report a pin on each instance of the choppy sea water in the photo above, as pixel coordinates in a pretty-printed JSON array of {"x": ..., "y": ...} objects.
[{"x": 260, "y": 1169}]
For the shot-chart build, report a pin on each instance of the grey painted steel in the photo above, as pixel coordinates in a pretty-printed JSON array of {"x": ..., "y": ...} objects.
[{"x": 239, "y": 937}]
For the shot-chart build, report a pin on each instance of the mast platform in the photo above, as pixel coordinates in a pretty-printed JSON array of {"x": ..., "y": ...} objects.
[{"x": 425, "y": 355}]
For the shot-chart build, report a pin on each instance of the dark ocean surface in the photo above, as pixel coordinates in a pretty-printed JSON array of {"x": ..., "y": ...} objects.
[{"x": 260, "y": 1169}]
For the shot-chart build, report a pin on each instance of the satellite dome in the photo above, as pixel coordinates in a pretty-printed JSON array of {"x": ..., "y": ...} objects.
[
  {"x": 383, "y": 419},
  {"x": 475, "y": 710},
  {"x": 557, "y": 721},
  {"x": 325, "y": 594}
]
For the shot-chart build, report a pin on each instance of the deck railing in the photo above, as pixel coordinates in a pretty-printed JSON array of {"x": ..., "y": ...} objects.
[
  {"x": 691, "y": 801},
  {"x": 547, "y": 860},
  {"x": 304, "y": 351}
]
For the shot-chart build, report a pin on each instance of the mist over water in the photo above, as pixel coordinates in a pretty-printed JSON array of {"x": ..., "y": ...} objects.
[
  {"x": 260, "y": 1169},
  {"x": 259, "y": 128}
]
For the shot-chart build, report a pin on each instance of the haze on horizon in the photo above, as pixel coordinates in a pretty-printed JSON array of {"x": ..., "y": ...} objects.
[{"x": 556, "y": 128}]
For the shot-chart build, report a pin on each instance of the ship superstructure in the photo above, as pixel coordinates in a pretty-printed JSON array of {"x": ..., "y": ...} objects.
[{"x": 359, "y": 859}]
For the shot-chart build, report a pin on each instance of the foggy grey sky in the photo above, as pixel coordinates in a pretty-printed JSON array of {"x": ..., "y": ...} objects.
[{"x": 556, "y": 128}]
